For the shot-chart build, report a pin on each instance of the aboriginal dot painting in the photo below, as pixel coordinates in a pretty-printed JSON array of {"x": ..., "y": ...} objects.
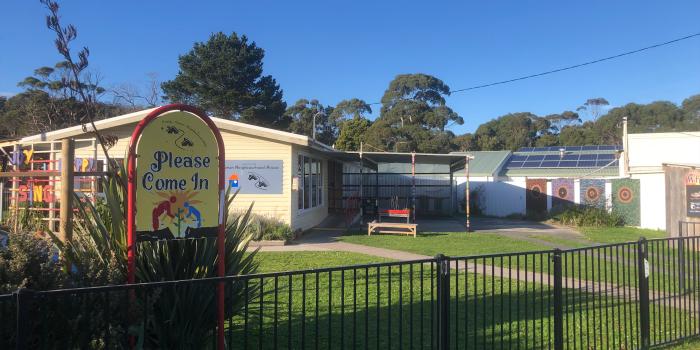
[
  {"x": 536, "y": 197},
  {"x": 593, "y": 193},
  {"x": 625, "y": 200},
  {"x": 562, "y": 192}
]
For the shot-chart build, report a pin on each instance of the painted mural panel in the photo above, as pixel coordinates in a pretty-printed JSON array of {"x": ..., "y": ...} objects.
[
  {"x": 593, "y": 193},
  {"x": 625, "y": 200},
  {"x": 536, "y": 198},
  {"x": 562, "y": 193}
]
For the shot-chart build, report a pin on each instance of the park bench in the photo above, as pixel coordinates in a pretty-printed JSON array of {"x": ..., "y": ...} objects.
[{"x": 392, "y": 227}]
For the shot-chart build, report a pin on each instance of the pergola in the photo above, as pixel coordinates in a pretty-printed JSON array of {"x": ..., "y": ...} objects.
[{"x": 371, "y": 160}]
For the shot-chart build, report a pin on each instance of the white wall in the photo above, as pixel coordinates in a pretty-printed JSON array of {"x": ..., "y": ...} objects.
[
  {"x": 652, "y": 201},
  {"x": 501, "y": 198},
  {"x": 652, "y": 150}
]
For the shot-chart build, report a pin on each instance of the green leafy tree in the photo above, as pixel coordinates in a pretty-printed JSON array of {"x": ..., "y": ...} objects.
[
  {"x": 414, "y": 116},
  {"x": 301, "y": 116},
  {"x": 349, "y": 116},
  {"x": 224, "y": 76},
  {"x": 594, "y": 107},
  {"x": 511, "y": 132}
]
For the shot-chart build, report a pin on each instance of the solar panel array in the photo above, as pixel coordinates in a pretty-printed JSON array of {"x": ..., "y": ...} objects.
[
  {"x": 586, "y": 160},
  {"x": 571, "y": 148}
]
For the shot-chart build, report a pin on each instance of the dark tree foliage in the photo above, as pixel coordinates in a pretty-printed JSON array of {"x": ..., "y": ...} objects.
[
  {"x": 414, "y": 116},
  {"x": 301, "y": 115},
  {"x": 224, "y": 76},
  {"x": 511, "y": 132},
  {"x": 349, "y": 116}
]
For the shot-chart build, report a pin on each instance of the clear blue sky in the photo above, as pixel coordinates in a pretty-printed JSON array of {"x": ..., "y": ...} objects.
[{"x": 333, "y": 50}]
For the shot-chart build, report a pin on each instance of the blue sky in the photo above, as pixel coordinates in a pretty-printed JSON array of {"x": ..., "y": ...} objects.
[{"x": 332, "y": 50}]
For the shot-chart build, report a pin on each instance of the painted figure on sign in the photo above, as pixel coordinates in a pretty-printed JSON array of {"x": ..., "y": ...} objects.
[
  {"x": 192, "y": 211},
  {"x": 163, "y": 208}
]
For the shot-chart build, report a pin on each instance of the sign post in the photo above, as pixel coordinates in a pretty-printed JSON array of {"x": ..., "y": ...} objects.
[{"x": 176, "y": 184}]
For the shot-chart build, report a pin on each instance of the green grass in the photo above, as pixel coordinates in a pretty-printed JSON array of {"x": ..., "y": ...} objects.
[
  {"x": 561, "y": 241},
  {"x": 368, "y": 306},
  {"x": 289, "y": 261},
  {"x": 619, "y": 234},
  {"x": 451, "y": 244}
]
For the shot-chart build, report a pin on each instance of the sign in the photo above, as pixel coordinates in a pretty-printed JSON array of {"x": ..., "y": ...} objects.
[
  {"x": 692, "y": 193},
  {"x": 255, "y": 176},
  {"x": 175, "y": 185},
  {"x": 177, "y": 177}
]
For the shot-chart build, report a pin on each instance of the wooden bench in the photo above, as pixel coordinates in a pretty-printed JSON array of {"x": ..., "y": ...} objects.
[{"x": 394, "y": 227}]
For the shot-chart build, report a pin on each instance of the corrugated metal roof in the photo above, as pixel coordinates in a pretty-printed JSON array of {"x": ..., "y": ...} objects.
[{"x": 485, "y": 163}]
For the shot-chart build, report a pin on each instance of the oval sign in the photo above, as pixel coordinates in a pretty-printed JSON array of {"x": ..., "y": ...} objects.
[{"x": 177, "y": 177}]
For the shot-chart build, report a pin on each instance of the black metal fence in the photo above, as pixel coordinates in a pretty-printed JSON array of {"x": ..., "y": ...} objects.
[{"x": 616, "y": 296}]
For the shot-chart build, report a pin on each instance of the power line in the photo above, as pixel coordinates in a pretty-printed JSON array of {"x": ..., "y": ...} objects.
[{"x": 572, "y": 66}]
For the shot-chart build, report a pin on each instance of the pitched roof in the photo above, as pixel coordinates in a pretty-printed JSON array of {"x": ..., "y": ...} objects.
[
  {"x": 486, "y": 163},
  {"x": 223, "y": 124},
  {"x": 571, "y": 161}
]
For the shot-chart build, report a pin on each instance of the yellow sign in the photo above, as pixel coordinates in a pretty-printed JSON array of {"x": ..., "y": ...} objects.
[{"x": 177, "y": 174}]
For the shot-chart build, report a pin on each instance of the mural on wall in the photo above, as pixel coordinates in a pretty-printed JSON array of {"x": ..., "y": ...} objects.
[
  {"x": 625, "y": 200},
  {"x": 562, "y": 193},
  {"x": 593, "y": 193},
  {"x": 536, "y": 198},
  {"x": 692, "y": 193}
]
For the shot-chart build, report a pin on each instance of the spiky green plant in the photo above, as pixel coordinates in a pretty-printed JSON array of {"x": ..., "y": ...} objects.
[{"x": 183, "y": 316}]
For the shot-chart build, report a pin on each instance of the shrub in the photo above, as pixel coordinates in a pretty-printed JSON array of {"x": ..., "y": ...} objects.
[
  {"x": 29, "y": 261},
  {"x": 588, "y": 216},
  {"x": 263, "y": 227}
]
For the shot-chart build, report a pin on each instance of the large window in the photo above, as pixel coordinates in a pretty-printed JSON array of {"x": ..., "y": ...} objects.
[{"x": 310, "y": 182}]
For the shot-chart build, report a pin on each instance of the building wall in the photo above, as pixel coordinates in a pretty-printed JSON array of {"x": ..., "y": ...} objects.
[
  {"x": 501, "y": 198},
  {"x": 304, "y": 219},
  {"x": 238, "y": 146},
  {"x": 647, "y": 151},
  {"x": 652, "y": 188}
]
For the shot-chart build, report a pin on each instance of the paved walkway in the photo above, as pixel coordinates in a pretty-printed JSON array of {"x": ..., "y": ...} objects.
[{"x": 327, "y": 240}]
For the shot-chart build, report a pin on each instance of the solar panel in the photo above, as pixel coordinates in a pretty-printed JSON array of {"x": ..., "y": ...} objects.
[
  {"x": 591, "y": 156},
  {"x": 586, "y": 163},
  {"x": 535, "y": 157},
  {"x": 588, "y": 157},
  {"x": 552, "y": 157},
  {"x": 518, "y": 158},
  {"x": 589, "y": 148},
  {"x": 550, "y": 164},
  {"x": 531, "y": 164}
]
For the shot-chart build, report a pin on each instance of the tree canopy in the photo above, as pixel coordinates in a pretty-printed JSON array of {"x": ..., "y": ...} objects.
[
  {"x": 414, "y": 116},
  {"x": 224, "y": 76}
]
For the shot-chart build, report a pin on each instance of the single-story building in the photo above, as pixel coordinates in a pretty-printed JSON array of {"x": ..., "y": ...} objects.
[{"x": 295, "y": 167}]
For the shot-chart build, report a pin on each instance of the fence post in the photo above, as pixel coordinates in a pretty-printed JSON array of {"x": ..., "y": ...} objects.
[
  {"x": 24, "y": 302},
  {"x": 681, "y": 259},
  {"x": 558, "y": 302},
  {"x": 443, "y": 301},
  {"x": 643, "y": 271}
]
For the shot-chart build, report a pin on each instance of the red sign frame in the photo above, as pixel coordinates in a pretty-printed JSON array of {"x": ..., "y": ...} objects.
[{"x": 131, "y": 202}]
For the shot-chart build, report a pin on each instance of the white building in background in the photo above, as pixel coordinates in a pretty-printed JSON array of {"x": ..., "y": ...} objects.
[{"x": 646, "y": 154}]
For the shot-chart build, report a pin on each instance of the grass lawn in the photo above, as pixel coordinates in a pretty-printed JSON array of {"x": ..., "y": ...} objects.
[
  {"x": 384, "y": 306},
  {"x": 289, "y": 261},
  {"x": 451, "y": 244},
  {"x": 619, "y": 234}
]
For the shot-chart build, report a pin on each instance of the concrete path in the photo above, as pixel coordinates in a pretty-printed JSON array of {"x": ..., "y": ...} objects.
[{"x": 327, "y": 240}]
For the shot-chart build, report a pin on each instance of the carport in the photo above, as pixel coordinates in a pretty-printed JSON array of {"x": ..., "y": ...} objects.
[{"x": 377, "y": 182}]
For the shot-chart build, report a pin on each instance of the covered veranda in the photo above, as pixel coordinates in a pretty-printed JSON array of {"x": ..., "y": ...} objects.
[{"x": 401, "y": 185}]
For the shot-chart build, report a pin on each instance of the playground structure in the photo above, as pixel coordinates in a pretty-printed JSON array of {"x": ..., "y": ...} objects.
[{"x": 34, "y": 180}]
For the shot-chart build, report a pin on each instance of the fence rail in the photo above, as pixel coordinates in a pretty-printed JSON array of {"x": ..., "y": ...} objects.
[{"x": 631, "y": 295}]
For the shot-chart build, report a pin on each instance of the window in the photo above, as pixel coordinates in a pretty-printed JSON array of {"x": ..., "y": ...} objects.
[{"x": 310, "y": 177}]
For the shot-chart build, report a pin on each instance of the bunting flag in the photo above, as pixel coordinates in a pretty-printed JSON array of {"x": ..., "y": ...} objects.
[
  {"x": 562, "y": 192},
  {"x": 593, "y": 193},
  {"x": 625, "y": 200}
]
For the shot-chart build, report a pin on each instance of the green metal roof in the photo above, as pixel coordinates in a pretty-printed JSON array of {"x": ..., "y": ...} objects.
[{"x": 485, "y": 163}]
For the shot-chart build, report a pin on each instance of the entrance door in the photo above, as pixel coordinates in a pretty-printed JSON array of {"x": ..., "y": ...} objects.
[{"x": 335, "y": 187}]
